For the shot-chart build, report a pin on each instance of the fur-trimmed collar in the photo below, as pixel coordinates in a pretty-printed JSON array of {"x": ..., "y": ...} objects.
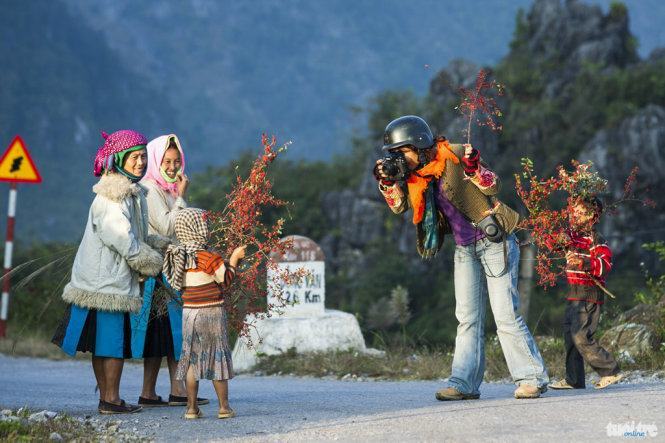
[{"x": 116, "y": 187}]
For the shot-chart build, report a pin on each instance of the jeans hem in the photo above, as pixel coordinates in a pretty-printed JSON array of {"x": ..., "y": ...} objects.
[{"x": 457, "y": 386}]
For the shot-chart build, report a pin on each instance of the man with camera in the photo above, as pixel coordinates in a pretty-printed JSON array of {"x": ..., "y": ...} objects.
[{"x": 452, "y": 192}]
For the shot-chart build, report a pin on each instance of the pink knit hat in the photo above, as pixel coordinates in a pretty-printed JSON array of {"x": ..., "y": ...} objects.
[{"x": 117, "y": 142}]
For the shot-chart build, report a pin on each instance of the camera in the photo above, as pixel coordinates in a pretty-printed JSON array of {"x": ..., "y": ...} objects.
[
  {"x": 491, "y": 229},
  {"x": 395, "y": 167}
]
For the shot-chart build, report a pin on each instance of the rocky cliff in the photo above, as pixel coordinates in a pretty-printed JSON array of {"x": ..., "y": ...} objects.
[
  {"x": 636, "y": 141},
  {"x": 556, "y": 43}
]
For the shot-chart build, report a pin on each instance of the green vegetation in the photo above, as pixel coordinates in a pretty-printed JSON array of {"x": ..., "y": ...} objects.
[
  {"x": 36, "y": 306},
  {"x": 19, "y": 428},
  {"x": 654, "y": 292},
  {"x": 301, "y": 183}
]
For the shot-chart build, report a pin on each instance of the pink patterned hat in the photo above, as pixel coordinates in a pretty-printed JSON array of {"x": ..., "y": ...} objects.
[{"x": 113, "y": 144}]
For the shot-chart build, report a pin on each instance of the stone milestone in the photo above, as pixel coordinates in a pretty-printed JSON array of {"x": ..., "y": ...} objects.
[
  {"x": 303, "y": 324},
  {"x": 305, "y": 298}
]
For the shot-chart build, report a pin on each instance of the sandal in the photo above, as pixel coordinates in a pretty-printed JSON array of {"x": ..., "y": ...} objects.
[
  {"x": 193, "y": 415},
  {"x": 123, "y": 408},
  {"x": 561, "y": 384},
  {"x": 607, "y": 380},
  {"x": 152, "y": 403},
  {"x": 230, "y": 413},
  {"x": 176, "y": 400}
]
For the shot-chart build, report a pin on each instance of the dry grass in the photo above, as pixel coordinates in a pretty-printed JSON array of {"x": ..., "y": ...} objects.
[
  {"x": 401, "y": 363},
  {"x": 425, "y": 364},
  {"x": 35, "y": 346},
  {"x": 396, "y": 364}
]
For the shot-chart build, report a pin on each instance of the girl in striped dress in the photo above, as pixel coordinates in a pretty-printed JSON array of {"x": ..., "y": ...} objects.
[{"x": 202, "y": 276}]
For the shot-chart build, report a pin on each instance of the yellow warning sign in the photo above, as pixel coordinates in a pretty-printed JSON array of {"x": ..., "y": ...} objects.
[{"x": 16, "y": 165}]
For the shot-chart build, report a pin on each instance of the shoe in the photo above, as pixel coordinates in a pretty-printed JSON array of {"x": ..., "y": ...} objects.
[
  {"x": 193, "y": 415},
  {"x": 607, "y": 380},
  {"x": 529, "y": 391},
  {"x": 561, "y": 384},
  {"x": 452, "y": 394},
  {"x": 123, "y": 408},
  {"x": 152, "y": 403},
  {"x": 176, "y": 400},
  {"x": 230, "y": 413}
]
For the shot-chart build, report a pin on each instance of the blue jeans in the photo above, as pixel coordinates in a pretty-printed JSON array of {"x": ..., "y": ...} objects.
[{"x": 480, "y": 269}]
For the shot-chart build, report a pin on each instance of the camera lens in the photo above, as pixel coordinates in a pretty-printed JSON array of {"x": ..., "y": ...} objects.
[
  {"x": 390, "y": 169},
  {"x": 491, "y": 230}
]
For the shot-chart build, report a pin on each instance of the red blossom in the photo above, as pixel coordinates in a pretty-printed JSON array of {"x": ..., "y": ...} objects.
[
  {"x": 476, "y": 104},
  {"x": 549, "y": 227},
  {"x": 240, "y": 223}
]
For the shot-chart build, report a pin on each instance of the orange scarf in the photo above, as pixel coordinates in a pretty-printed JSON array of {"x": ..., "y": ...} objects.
[{"x": 418, "y": 181}]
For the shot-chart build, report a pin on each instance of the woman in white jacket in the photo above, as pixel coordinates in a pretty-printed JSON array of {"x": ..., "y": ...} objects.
[
  {"x": 157, "y": 328},
  {"x": 114, "y": 256}
]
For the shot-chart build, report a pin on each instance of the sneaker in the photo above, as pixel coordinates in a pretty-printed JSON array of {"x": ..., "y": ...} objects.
[
  {"x": 561, "y": 384},
  {"x": 608, "y": 380},
  {"x": 529, "y": 391},
  {"x": 451, "y": 394}
]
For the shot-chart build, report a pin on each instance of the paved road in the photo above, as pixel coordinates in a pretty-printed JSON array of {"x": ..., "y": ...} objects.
[{"x": 307, "y": 409}]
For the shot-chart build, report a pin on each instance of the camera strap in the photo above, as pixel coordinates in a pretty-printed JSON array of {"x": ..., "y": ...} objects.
[{"x": 422, "y": 159}]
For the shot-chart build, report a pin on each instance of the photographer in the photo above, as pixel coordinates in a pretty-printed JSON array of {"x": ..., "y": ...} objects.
[{"x": 452, "y": 192}]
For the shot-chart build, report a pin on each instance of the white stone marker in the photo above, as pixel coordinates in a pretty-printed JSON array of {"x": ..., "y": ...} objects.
[
  {"x": 305, "y": 298},
  {"x": 305, "y": 324}
]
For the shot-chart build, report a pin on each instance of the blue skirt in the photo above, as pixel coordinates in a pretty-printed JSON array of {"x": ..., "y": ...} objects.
[
  {"x": 103, "y": 333},
  {"x": 156, "y": 336}
]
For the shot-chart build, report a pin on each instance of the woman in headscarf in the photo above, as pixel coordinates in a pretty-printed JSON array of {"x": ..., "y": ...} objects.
[
  {"x": 114, "y": 256},
  {"x": 157, "y": 328}
]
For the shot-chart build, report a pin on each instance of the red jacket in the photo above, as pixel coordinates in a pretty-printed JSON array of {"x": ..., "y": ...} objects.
[{"x": 596, "y": 263}]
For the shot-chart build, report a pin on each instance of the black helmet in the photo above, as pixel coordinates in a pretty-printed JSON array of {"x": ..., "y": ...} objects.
[{"x": 407, "y": 130}]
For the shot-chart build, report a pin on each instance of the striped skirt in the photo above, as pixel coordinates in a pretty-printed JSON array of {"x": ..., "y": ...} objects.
[{"x": 205, "y": 344}]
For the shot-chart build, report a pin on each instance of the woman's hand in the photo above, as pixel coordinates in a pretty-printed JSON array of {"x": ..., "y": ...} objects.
[
  {"x": 379, "y": 172},
  {"x": 182, "y": 183},
  {"x": 237, "y": 255}
]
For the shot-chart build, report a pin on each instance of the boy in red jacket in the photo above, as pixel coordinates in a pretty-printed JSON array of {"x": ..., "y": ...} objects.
[{"x": 588, "y": 260}]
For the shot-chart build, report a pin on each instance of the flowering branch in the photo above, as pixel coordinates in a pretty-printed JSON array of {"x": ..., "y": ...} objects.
[
  {"x": 475, "y": 101},
  {"x": 550, "y": 227},
  {"x": 241, "y": 222}
]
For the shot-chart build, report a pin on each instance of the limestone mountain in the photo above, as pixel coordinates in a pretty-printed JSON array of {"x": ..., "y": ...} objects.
[{"x": 220, "y": 73}]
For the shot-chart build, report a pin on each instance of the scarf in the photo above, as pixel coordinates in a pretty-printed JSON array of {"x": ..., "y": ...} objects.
[
  {"x": 428, "y": 239},
  {"x": 119, "y": 163},
  {"x": 113, "y": 144},
  {"x": 166, "y": 177},
  {"x": 191, "y": 230},
  {"x": 418, "y": 182},
  {"x": 156, "y": 150}
]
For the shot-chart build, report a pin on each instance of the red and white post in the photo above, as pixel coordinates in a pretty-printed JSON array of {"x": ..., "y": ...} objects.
[{"x": 9, "y": 249}]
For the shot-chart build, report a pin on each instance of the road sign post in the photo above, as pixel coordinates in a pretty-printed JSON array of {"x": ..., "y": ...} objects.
[{"x": 16, "y": 166}]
